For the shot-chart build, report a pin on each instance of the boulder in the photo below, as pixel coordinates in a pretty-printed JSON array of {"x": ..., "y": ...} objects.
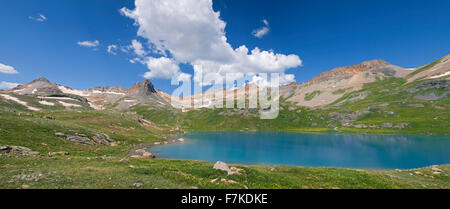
[
  {"x": 102, "y": 138},
  {"x": 147, "y": 155},
  {"x": 237, "y": 171},
  {"x": 224, "y": 167},
  {"x": 436, "y": 169},
  {"x": 143, "y": 154},
  {"x": 181, "y": 140},
  {"x": 17, "y": 150},
  {"x": 49, "y": 117},
  {"x": 59, "y": 134},
  {"x": 401, "y": 125},
  {"x": 386, "y": 125},
  {"x": 79, "y": 138},
  {"x": 138, "y": 184},
  {"x": 51, "y": 154}
]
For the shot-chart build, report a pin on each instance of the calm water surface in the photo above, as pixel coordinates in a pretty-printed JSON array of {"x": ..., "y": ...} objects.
[{"x": 317, "y": 150}]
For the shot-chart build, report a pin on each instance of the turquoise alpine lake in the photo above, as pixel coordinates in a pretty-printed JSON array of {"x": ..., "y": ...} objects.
[{"x": 375, "y": 151}]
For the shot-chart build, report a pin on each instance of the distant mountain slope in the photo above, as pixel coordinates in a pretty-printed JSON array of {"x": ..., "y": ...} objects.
[
  {"x": 40, "y": 86},
  {"x": 437, "y": 69},
  {"x": 331, "y": 85}
]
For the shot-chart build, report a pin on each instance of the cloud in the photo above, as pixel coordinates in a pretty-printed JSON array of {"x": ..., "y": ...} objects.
[
  {"x": 39, "y": 18},
  {"x": 89, "y": 44},
  {"x": 7, "y": 69},
  {"x": 7, "y": 85},
  {"x": 162, "y": 67},
  {"x": 259, "y": 33},
  {"x": 138, "y": 48},
  {"x": 192, "y": 32},
  {"x": 112, "y": 49}
]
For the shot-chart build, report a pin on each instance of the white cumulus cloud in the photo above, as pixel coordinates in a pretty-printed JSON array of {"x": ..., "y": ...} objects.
[
  {"x": 192, "y": 32},
  {"x": 138, "y": 48},
  {"x": 8, "y": 85},
  {"x": 89, "y": 44},
  {"x": 259, "y": 33},
  {"x": 162, "y": 67},
  {"x": 7, "y": 69}
]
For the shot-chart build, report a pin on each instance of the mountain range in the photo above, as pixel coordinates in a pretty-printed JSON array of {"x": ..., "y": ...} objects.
[{"x": 324, "y": 89}]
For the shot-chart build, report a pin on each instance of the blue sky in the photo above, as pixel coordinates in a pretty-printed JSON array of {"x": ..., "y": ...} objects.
[{"x": 323, "y": 34}]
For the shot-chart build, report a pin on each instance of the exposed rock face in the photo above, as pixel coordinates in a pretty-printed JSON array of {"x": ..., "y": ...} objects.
[
  {"x": 221, "y": 166},
  {"x": 144, "y": 88},
  {"x": 288, "y": 90},
  {"x": 80, "y": 138},
  {"x": 141, "y": 93},
  {"x": 431, "y": 96},
  {"x": 102, "y": 138},
  {"x": 99, "y": 138},
  {"x": 17, "y": 150},
  {"x": 438, "y": 84},
  {"x": 108, "y": 89},
  {"x": 347, "y": 118}
]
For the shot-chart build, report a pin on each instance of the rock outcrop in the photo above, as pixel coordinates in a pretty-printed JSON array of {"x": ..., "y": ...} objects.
[
  {"x": 143, "y": 89},
  {"x": 17, "y": 150},
  {"x": 99, "y": 138},
  {"x": 224, "y": 167},
  {"x": 80, "y": 138},
  {"x": 102, "y": 138},
  {"x": 142, "y": 153}
]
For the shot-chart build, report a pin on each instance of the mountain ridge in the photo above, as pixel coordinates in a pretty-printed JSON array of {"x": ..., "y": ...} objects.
[{"x": 326, "y": 87}]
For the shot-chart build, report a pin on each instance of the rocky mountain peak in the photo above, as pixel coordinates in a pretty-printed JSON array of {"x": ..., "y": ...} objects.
[
  {"x": 144, "y": 88},
  {"x": 41, "y": 79},
  {"x": 40, "y": 86}
]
